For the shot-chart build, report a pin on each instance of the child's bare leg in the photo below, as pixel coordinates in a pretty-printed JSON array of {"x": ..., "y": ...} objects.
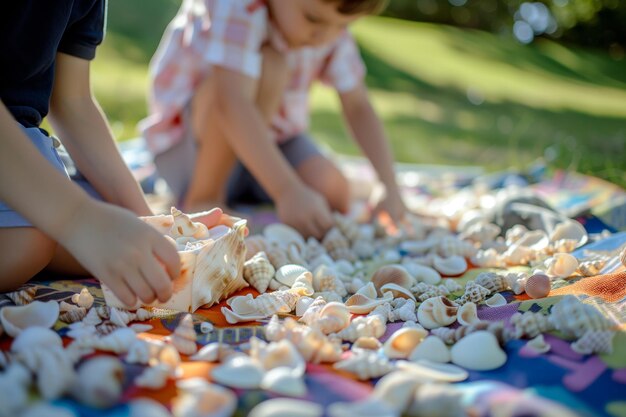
[
  {"x": 215, "y": 158},
  {"x": 25, "y": 252},
  {"x": 323, "y": 176}
]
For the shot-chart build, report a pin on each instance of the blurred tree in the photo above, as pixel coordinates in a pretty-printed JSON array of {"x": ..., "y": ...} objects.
[{"x": 593, "y": 23}]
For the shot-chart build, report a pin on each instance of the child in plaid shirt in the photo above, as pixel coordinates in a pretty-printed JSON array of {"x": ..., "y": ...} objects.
[{"x": 231, "y": 83}]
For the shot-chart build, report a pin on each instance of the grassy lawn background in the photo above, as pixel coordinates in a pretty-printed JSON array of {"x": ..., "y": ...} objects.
[{"x": 446, "y": 96}]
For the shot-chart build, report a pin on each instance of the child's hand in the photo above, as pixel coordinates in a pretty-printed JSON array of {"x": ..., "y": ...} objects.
[
  {"x": 306, "y": 210},
  {"x": 129, "y": 256},
  {"x": 392, "y": 204},
  {"x": 215, "y": 217}
]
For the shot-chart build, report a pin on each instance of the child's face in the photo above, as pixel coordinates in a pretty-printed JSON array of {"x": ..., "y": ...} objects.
[{"x": 308, "y": 22}]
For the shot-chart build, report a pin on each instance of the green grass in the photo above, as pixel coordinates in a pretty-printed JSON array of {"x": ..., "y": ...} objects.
[{"x": 446, "y": 95}]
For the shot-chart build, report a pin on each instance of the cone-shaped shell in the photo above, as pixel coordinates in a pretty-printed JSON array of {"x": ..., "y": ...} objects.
[
  {"x": 258, "y": 271},
  {"x": 184, "y": 337}
]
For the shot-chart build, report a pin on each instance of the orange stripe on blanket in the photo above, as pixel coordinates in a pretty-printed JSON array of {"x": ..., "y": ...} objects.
[{"x": 610, "y": 287}]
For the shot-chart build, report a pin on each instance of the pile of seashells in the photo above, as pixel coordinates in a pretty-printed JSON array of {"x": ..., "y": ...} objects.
[{"x": 327, "y": 301}]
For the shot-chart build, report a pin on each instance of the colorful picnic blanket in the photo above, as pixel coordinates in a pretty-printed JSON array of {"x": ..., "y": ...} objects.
[{"x": 528, "y": 384}]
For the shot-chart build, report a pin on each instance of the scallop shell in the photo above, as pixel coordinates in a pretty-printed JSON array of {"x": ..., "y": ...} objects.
[
  {"x": 239, "y": 372},
  {"x": 23, "y": 296},
  {"x": 561, "y": 265},
  {"x": 403, "y": 342},
  {"x": 478, "y": 351},
  {"x": 538, "y": 286},
  {"x": 594, "y": 341},
  {"x": 365, "y": 365},
  {"x": 286, "y": 407},
  {"x": 287, "y": 274},
  {"x": 467, "y": 314},
  {"x": 431, "y": 348},
  {"x": 474, "y": 293},
  {"x": 451, "y": 266},
  {"x": 437, "y": 312},
  {"x": 574, "y": 318},
  {"x": 258, "y": 271},
  {"x": 184, "y": 336},
  {"x": 15, "y": 319},
  {"x": 530, "y": 324},
  {"x": 395, "y": 274},
  {"x": 369, "y": 326},
  {"x": 422, "y": 273},
  {"x": 283, "y": 235},
  {"x": 208, "y": 274},
  {"x": 496, "y": 300}
]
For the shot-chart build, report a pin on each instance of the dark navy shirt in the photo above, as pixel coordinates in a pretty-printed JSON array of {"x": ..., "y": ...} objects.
[{"x": 31, "y": 33}]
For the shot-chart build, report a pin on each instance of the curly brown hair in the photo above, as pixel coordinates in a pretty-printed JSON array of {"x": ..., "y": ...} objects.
[{"x": 351, "y": 7}]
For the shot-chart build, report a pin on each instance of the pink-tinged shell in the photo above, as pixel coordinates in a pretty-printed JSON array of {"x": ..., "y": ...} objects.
[
  {"x": 437, "y": 312},
  {"x": 451, "y": 266},
  {"x": 538, "y": 286},
  {"x": 395, "y": 274}
]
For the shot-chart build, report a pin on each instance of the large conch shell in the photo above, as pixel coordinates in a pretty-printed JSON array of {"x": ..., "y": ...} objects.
[{"x": 211, "y": 270}]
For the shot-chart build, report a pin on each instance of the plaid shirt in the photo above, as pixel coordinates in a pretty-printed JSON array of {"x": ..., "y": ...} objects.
[{"x": 230, "y": 33}]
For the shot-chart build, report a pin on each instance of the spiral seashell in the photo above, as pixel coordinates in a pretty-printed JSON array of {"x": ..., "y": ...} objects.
[
  {"x": 594, "y": 341},
  {"x": 121, "y": 318},
  {"x": 538, "y": 286},
  {"x": 530, "y": 324},
  {"x": 365, "y": 365},
  {"x": 184, "y": 336},
  {"x": 333, "y": 317},
  {"x": 392, "y": 274},
  {"x": 254, "y": 245},
  {"x": 451, "y": 336},
  {"x": 83, "y": 299},
  {"x": 368, "y": 326},
  {"x": 492, "y": 281},
  {"x": 403, "y": 342},
  {"x": 304, "y": 284},
  {"x": 277, "y": 256},
  {"x": 312, "y": 344},
  {"x": 538, "y": 345},
  {"x": 312, "y": 313},
  {"x": 258, "y": 272},
  {"x": 467, "y": 314},
  {"x": 591, "y": 268},
  {"x": 23, "y": 296},
  {"x": 574, "y": 318},
  {"x": 437, "y": 312},
  {"x": 73, "y": 314},
  {"x": 326, "y": 279},
  {"x": 406, "y": 312},
  {"x": 348, "y": 227},
  {"x": 183, "y": 226},
  {"x": 276, "y": 302},
  {"x": 337, "y": 246},
  {"x": 474, "y": 293}
]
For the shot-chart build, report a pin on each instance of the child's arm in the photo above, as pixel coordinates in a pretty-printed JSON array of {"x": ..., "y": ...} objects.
[
  {"x": 368, "y": 131},
  {"x": 79, "y": 122},
  {"x": 297, "y": 204},
  {"x": 109, "y": 241}
]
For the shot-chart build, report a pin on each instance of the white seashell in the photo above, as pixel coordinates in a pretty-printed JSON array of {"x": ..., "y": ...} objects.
[
  {"x": 277, "y": 354},
  {"x": 258, "y": 271},
  {"x": 143, "y": 407},
  {"x": 304, "y": 284},
  {"x": 284, "y": 381},
  {"x": 451, "y": 266},
  {"x": 538, "y": 344},
  {"x": 118, "y": 341},
  {"x": 283, "y": 235},
  {"x": 561, "y": 265},
  {"x": 437, "y": 399},
  {"x": 48, "y": 410},
  {"x": 496, "y": 300},
  {"x": 536, "y": 240},
  {"x": 365, "y": 365},
  {"x": 221, "y": 259},
  {"x": 436, "y": 312},
  {"x": 467, "y": 314},
  {"x": 323, "y": 259},
  {"x": 369, "y": 326},
  {"x": 366, "y": 343},
  {"x": 367, "y": 408},
  {"x": 344, "y": 267},
  {"x": 326, "y": 279},
  {"x": 286, "y": 407},
  {"x": 397, "y": 389},
  {"x": 406, "y": 312},
  {"x": 302, "y": 305},
  {"x": 395, "y": 274},
  {"x": 287, "y": 274},
  {"x": 184, "y": 336},
  {"x": 14, "y": 387},
  {"x": 403, "y": 342},
  {"x": 99, "y": 382},
  {"x": 333, "y": 317},
  {"x": 15, "y": 319},
  {"x": 594, "y": 341},
  {"x": 36, "y": 337},
  {"x": 431, "y": 348},
  {"x": 200, "y": 398},
  {"x": 433, "y": 371},
  {"x": 397, "y": 291},
  {"x": 141, "y": 328},
  {"x": 206, "y": 327},
  {"x": 570, "y": 230},
  {"x": 53, "y": 367},
  {"x": 239, "y": 372},
  {"x": 422, "y": 273},
  {"x": 478, "y": 351},
  {"x": 418, "y": 247},
  {"x": 120, "y": 317},
  {"x": 362, "y": 304},
  {"x": 213, "y": 352},
  {"x": 183, "y": 226},
  {"x": 154, "y": 377},
  {"x": 83, "y": 299},
  {"x": 574, "y": 318}
]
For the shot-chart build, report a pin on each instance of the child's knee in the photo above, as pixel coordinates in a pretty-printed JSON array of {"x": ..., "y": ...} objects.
[
  {"x": 327, "y": 179},
  {"x": 26, "y": 251}
]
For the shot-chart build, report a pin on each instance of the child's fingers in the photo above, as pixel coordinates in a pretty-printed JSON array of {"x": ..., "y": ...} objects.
[
  {"x": 167, "y": 254},
  {"x": 139, "y": 286},
  {"x": 209, "y": 218},
  {"x": 158, "y": 279},
  {"x": 123, "y": 292}
]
